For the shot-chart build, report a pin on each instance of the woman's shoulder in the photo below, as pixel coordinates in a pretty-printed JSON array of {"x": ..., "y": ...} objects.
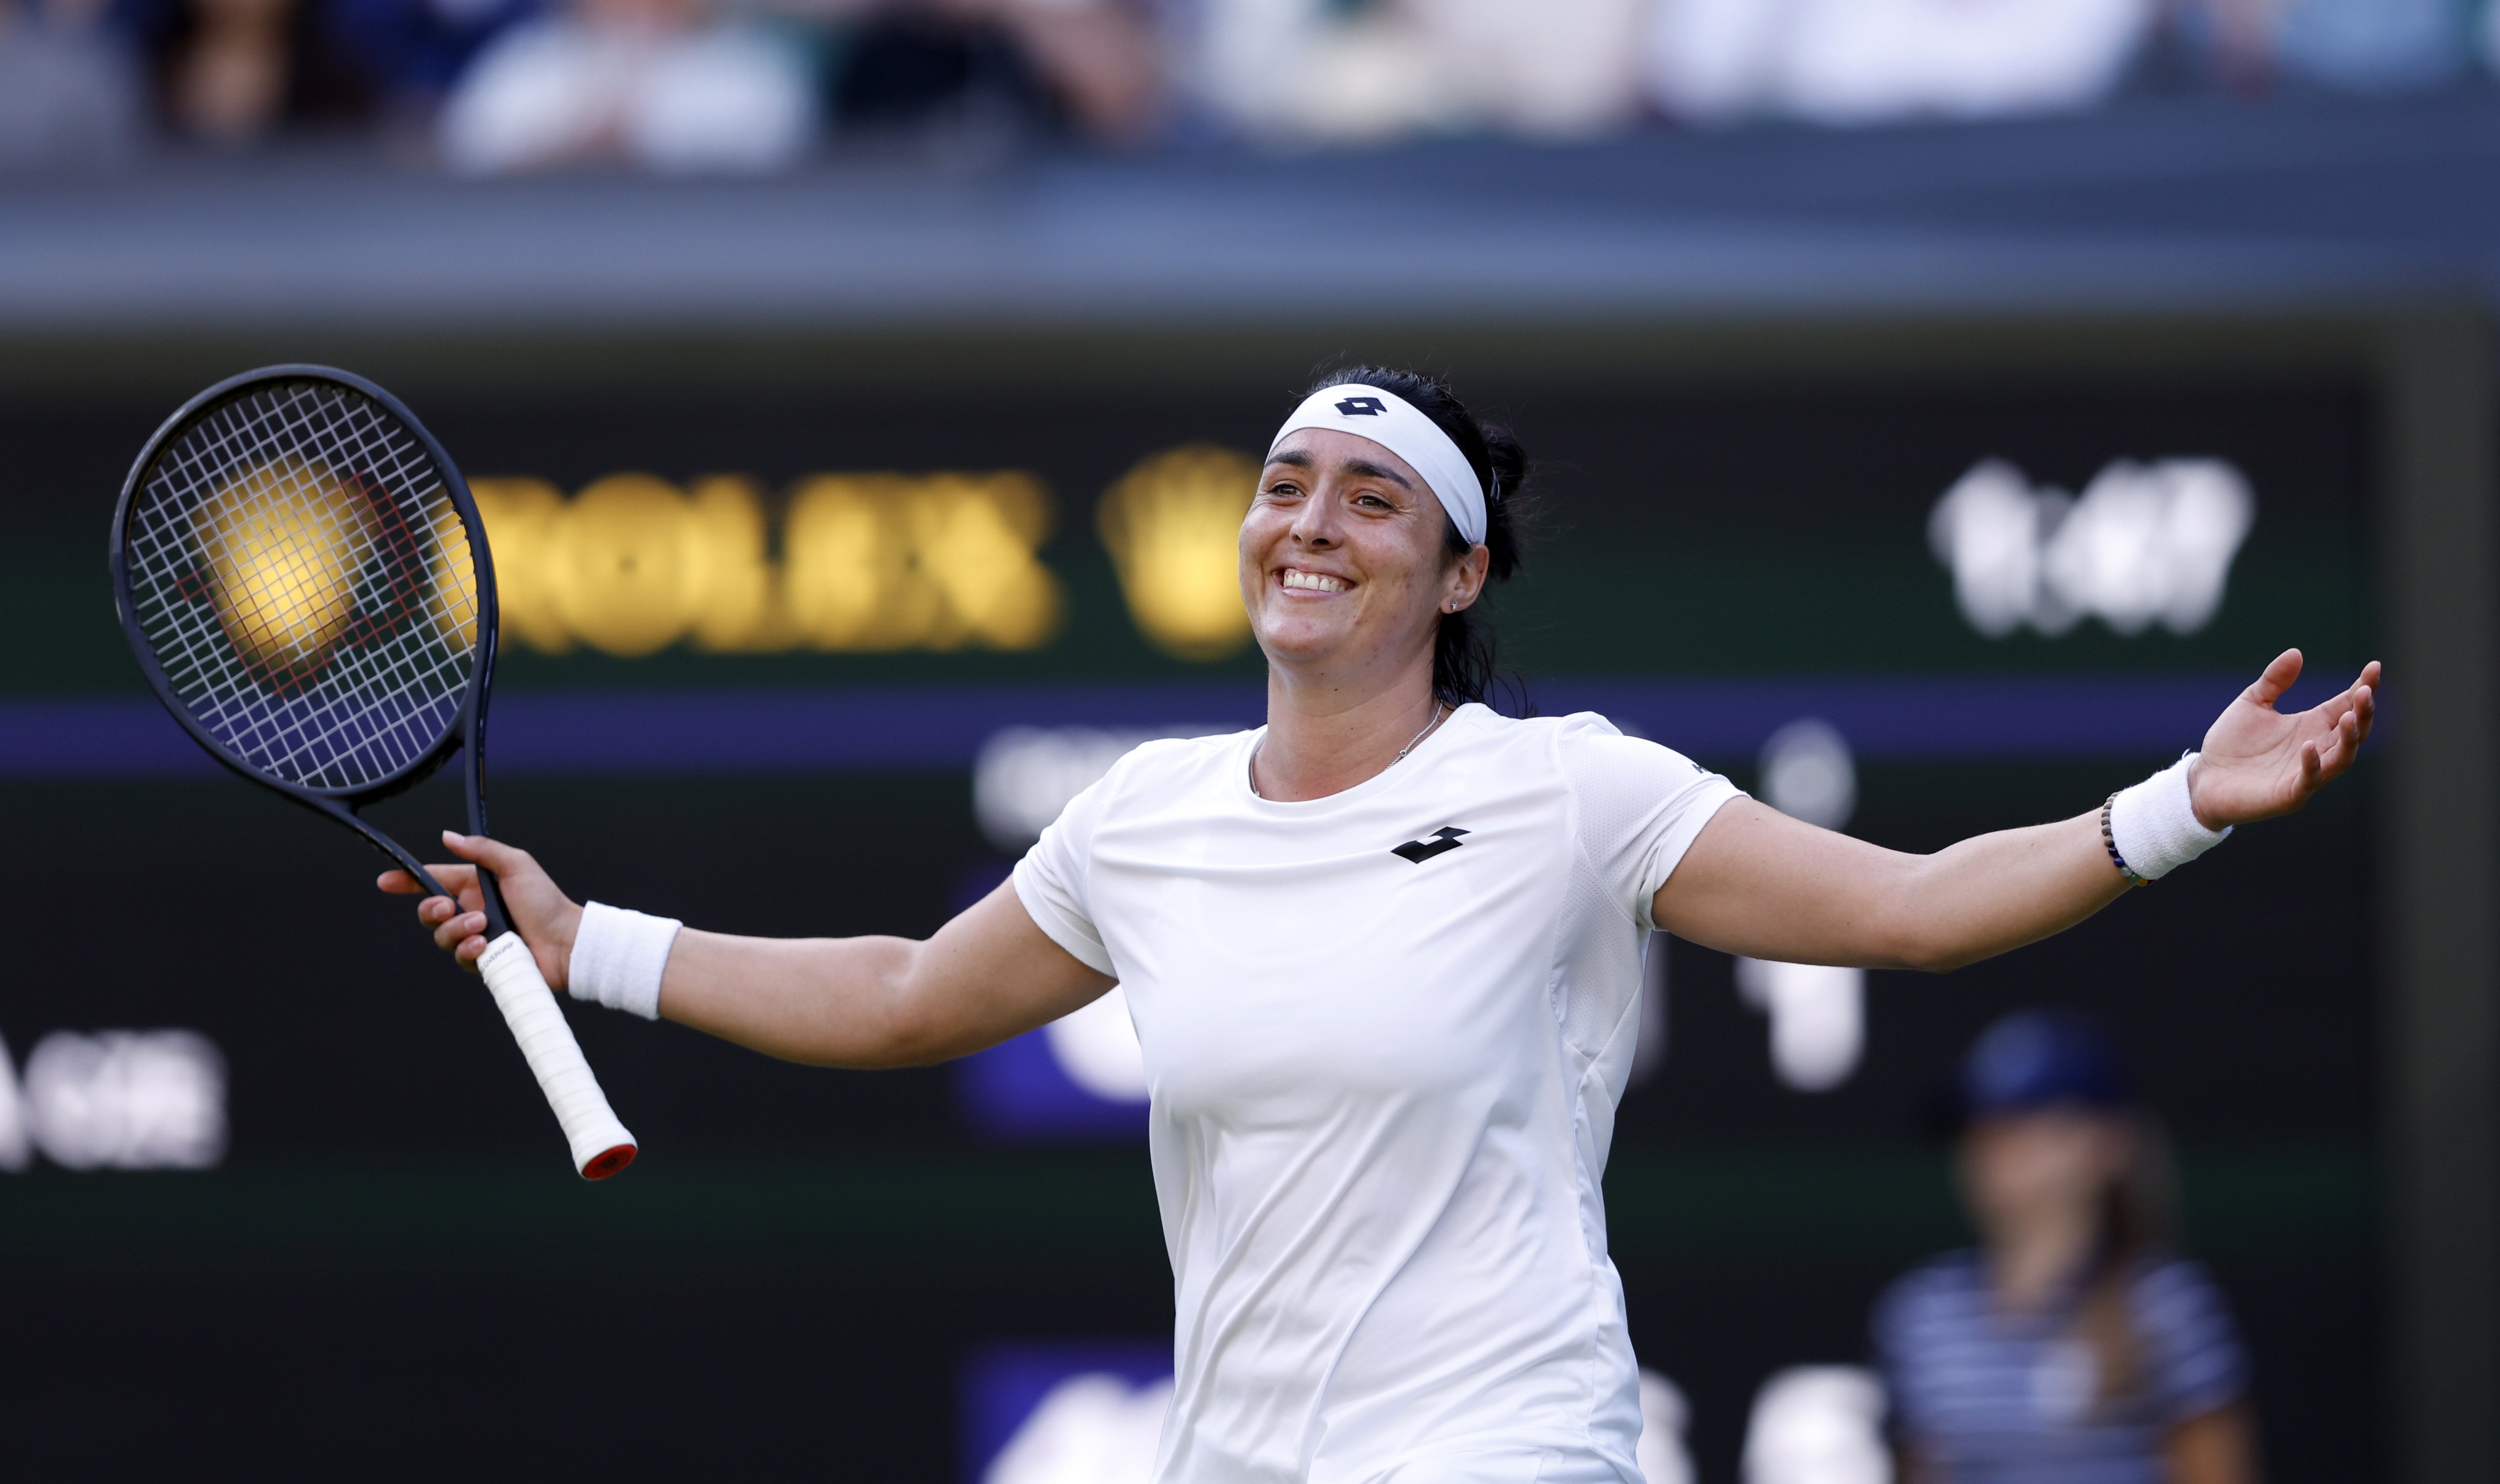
[
  {"x": 1568, "y": 724},
  {"x": 1593, "y": 752},
  {"x": 1167, "y": 763},
  {"x": 1571, "y": 732}
]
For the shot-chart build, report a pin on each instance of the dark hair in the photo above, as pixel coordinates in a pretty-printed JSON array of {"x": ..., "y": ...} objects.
[
  {"x": 2133, "y": 1221},
  {"x": 1464, "y": 652}
]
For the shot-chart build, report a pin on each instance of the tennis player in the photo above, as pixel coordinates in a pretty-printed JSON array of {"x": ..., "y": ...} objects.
[{"x": 1383, "y": 955}]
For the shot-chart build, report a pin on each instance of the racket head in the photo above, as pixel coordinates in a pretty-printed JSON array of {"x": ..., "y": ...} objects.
[{"x": 304, "y": 578}]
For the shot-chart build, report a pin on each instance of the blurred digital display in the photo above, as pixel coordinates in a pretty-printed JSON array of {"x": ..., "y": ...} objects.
[
  {"x": 633, "y": 564},
  {"x": 116, "y": 1100},
  {"x": 2142, "y": 544},
  {"x": 1171, "y": 525}
]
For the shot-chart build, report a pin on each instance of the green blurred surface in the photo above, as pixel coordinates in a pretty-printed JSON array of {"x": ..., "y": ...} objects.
[{"x": 1720, "y": 1205}]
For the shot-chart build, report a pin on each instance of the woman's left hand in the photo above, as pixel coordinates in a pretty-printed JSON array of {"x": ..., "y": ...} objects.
[{"x": 2258, "y": 763}]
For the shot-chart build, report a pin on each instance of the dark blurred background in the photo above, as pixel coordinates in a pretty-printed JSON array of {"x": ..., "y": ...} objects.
[{"x": 1943, "y": 409}]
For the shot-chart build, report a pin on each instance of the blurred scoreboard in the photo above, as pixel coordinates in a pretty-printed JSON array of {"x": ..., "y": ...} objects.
[{"x": 801, "y": 656}]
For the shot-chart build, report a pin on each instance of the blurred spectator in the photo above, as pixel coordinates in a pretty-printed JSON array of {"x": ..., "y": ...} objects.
[
  {"x": 1866, "y": 62},
  {"x": 2371, "y": 46},
  {"x": 675, "y": 85},
  {"x": 1033, "y": 66},
  {"x": 655, "y": 83},
  {"x": 229, "y": 78},
  {"x": 2358, "y": 46},
  {"x": 410, "y": 52},
  {"x": 2071, "y": 1346},
  {"x": 2227, "y": 42},
  {"x": 1322, "y": 71},
  {"x": 233, "y": 72},
  {"x": 68, "y": 94}
]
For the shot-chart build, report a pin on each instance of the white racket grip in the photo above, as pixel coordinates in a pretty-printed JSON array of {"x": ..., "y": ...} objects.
[{"x": 600, "y": 1146}]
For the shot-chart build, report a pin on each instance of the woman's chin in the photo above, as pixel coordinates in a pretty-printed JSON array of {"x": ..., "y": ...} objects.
[{"x": 1295, "y": 642}]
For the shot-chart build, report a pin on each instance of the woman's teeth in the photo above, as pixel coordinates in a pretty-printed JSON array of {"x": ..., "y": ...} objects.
[{"x": 1314, "y": 581}]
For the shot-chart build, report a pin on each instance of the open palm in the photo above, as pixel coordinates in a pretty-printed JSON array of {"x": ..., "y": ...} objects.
[{"x": 2258, "y": 761}]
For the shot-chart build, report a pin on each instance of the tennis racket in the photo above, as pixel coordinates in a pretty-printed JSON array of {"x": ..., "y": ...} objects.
[{"x": 304, "y": 577}]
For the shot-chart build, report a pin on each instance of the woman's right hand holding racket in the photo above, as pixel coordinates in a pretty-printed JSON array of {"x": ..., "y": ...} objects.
[
  {"x": 546, "y": 921},
  {"x": 541, "y": 913}
]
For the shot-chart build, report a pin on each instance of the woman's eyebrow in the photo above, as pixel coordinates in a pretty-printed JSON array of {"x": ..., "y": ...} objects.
[
  {"x": 1367, "y": 470},
  {"x": 1361, "y": 469}
]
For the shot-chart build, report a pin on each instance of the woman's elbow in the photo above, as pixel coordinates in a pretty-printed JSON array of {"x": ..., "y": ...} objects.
[
  {"x": 925, "y": 1049},
  {"x": 1923, "y": 949},
  {"x": 893, "y": 1021},
  {"x": 906, "y": 1037},
  {"x": 926, "y": 1014},
  {"x": 1915, "y": 935},
  {"x": 888, "y": 1048}
]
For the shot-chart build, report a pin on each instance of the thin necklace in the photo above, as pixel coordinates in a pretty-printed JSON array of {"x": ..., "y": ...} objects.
[{"x": 1440, "y": 712}]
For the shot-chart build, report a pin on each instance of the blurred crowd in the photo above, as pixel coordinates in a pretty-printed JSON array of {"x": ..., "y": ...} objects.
[{"x": 488, "y": 87}]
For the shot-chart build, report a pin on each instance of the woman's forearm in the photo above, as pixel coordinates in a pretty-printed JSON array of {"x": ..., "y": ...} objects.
[
  {"x": 1993, "y": 892},
  {"x": 1766, "y": 886},
  {"x": 878, "y": 1002},
  {"x": 1762, "y": 884},
  {"x": 829, "y": 1001}
]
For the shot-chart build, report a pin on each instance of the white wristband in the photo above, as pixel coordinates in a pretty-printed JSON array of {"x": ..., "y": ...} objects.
[
  {"x": 618, "y": 959},
  {"x": 2154, "y": 827}
]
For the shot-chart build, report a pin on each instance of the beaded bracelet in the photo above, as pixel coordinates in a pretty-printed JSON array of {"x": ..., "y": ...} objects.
[{"x": 2108, "y": 843}]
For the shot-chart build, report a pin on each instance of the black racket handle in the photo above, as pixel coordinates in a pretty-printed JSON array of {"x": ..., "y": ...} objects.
[
  {"x": 424, "y": 877},
  {"x": 498, "y": 921}
]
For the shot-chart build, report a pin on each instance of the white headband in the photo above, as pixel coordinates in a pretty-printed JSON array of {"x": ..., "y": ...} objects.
[{"x": 1393, "y": 422}]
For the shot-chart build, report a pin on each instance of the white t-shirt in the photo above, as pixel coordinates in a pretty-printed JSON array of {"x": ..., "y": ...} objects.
[{"x": 1385, "y": 1033}]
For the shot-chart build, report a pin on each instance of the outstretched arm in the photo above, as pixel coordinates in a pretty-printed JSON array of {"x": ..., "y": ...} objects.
[
  {"x": 836, "y": 1002},
  {"x": 880, "y": 1001},
  {"x": 1762, "y": 884},
  {"x": 1766, "y": 886}
]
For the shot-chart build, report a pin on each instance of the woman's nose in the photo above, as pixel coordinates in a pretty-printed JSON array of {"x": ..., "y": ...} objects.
[{"x": 1315, "y": 524}]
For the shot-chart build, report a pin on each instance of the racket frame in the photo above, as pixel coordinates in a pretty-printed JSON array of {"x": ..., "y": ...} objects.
[
  {"x": 601, "y": 1146},
  {"x": 468, "y": 731}
]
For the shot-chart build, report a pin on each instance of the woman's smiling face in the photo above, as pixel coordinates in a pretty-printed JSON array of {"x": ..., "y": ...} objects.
[{"x": 1344, "y": 557}]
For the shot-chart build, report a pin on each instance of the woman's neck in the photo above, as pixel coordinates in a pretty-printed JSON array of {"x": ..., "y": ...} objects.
[
  {"x": 1322, "y": 741},
  {"x": 2031, "y": 1261}
]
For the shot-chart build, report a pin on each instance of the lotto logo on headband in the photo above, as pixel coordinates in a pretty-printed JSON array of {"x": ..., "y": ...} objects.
[{"x": 1362, "y": 407}]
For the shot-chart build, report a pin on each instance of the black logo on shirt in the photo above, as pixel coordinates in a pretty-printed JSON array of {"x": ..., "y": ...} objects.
[
  {"x": 1441, "y": 842},
  {"x": 1362, "y": 407}
]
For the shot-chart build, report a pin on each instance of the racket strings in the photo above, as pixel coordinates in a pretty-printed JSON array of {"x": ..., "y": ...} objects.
[
  {"x": 321, "y": 543},
  {"x": 306, "y": 584}
]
